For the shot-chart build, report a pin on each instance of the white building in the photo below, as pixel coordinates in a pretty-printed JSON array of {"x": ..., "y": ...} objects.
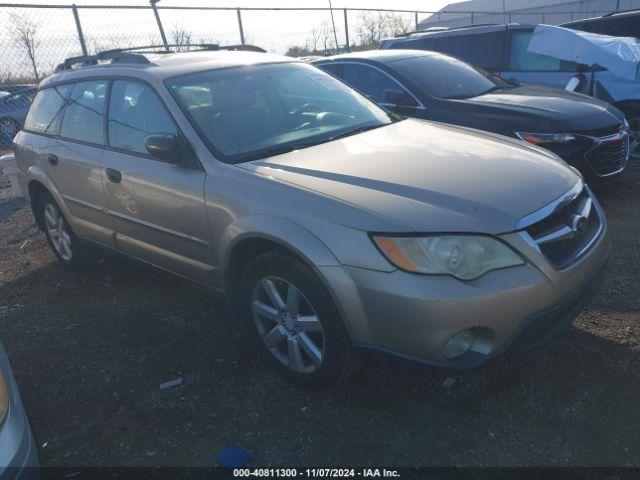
[{"x": 551, "y": 12}]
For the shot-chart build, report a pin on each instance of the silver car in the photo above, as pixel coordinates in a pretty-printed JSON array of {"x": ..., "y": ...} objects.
[
  {"x": 332, "y": 224},
  {"x": 18, "y": 452}
]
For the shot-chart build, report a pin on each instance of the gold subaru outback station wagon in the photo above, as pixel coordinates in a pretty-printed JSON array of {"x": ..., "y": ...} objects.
[{"x": 332, "y": 224}]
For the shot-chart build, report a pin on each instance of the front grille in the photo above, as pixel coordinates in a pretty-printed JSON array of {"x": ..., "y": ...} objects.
[
  {"x": 609, "y": 157},
  {"x": 601, "y": 132},
  {"x": 566, "y": 234}
]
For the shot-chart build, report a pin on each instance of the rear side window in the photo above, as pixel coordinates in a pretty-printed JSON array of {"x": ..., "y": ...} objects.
[
  {"x": 84, "y": 115},
  {"x": 45, "y": 115},
  {"x": 482, "y": 50},
  {"x": 135, "y": 112},
  {"x": 520, "y": 60}
]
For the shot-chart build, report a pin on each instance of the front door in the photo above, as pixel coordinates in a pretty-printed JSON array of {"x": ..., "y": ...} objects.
[{"x": 157, "y": 207}]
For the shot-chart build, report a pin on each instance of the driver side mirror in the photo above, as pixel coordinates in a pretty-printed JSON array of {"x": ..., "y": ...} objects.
[
  {"x": 398, "y": 98},
  {"x": 163, "y": 146}
]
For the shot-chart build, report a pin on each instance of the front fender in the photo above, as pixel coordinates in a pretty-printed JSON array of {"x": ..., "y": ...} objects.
[
  {"x": 313, "y": 251},
  {"x": 287, "y": 233}
]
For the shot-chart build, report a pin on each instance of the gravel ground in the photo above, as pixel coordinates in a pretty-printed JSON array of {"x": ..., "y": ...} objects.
[{"x": 90, "y": 352}]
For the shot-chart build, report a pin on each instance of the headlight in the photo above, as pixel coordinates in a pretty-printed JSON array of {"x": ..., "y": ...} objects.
[
  {"x": 466, "y": 257},
  {"x": 546, "y": 138},
  {"x": 4, "y": 399}
]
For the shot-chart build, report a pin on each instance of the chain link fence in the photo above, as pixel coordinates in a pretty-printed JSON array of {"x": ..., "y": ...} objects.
[{"x": 35, "y": 38}]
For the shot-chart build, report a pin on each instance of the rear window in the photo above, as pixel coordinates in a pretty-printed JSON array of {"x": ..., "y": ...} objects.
[{"x": 45, "y": 115}]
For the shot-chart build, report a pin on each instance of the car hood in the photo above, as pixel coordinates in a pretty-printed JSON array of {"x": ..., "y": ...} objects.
[
  {"x": 429, "y": 177},
  {"x": 552, "y": 109}
]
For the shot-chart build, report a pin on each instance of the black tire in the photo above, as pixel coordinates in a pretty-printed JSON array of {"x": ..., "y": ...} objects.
[
  {"x": 337, "y": 359},
  {"x": 82, "y": 257}
]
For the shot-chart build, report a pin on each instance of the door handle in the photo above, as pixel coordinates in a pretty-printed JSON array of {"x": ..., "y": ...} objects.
[
  {"x": 53, "y": 159},
  {"x": 114, "y": 175}
]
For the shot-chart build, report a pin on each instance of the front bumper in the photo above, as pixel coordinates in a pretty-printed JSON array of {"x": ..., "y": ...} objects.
[
  {"x": 18, "y": 451},
  {"x": 413, "y": 316}
]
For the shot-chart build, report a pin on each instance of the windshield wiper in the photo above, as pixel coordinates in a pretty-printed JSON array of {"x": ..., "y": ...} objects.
[
  {"x": 355, "y": 132},
  {"x": 277, "y": 150}
]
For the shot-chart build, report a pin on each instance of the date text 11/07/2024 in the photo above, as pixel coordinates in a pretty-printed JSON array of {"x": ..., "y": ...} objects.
[{"x": 316, "y": 472}]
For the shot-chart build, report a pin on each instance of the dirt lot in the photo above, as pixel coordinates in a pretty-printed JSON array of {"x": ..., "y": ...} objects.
[{"x": 90, "y": 353}]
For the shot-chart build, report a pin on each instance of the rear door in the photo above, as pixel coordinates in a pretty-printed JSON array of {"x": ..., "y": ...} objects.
[
  {"x": 157, "y": 207},
  {"x": 527, "y": 67},
  {"x": 480, "y": 47},
  {"x": 69, "y": 123}
]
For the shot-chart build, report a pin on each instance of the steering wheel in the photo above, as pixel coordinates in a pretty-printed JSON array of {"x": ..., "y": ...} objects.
[{"x": 307, "y": 107}]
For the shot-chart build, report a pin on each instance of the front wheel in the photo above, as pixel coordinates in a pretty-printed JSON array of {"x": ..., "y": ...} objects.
[
  {"x": 294, "y": 321},
  {"x": 69, "y": 251}
]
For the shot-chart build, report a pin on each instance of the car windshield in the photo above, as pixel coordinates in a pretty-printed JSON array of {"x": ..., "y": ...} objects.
[
  {"x": 251, "y": 112},
  {"x": 447, "y": 77}
]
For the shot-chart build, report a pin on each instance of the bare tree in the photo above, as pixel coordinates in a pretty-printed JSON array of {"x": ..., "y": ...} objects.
[
  {"x": 371, "y": 28},
  {"x": 312, "y": 42},
  {"x": 25, "y": 34},
  {"x": 398, "y": 24},
  {"x": 180, "y": 36}
]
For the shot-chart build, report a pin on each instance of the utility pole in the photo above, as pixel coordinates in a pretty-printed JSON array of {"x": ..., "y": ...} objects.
[
  {"x": 335, "y": 35},
  {"x": 162, "y": 35}
]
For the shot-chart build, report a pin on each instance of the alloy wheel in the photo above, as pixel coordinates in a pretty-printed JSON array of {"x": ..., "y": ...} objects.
[
  {"x": 57, "y": 230},
  {"x": 288, "y": 324}
]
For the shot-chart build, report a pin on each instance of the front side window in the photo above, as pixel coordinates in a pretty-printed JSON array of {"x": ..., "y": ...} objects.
[
  {"x": 135, "y": 112},
  {"x": 47, "y": 109},
  {"x": 373, "y": 83},
  {"x": 442, "y": 76},
  {"x": 521, "y": 60},
  {"x": 84, "y": 115},
  {"x": 250, "y": 112}
]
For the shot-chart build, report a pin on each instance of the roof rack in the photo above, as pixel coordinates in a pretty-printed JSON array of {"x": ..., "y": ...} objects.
[
  {"x": 632, "y": 10},
  {"x": 135, "y": 54},
  {"x": 436, "y": 29}
]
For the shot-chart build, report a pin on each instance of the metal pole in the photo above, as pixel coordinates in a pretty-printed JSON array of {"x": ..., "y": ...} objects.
[
  {"x": 162, "y": 35},
  {"x": 76, "y": 17},
  {"x": 335, "y": 35},
  {"x": 416, "y": 19},
  {"x": 346, "y": 32},
  {"x": 472, "y": 18},
  {"x": 240, "y": 26}
]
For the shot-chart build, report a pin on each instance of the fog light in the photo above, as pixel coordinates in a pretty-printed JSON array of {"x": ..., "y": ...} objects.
[{"x": 458, "y": 345}]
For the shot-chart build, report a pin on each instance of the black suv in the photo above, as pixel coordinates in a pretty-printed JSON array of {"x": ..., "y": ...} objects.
[
  {"x": 589, "y": 134},
  {"x": 619, "y": 24}
]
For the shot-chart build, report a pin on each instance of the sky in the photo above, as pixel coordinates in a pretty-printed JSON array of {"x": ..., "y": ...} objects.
[
  {"x": 427, "y": 5},
  {"x": 104, "y": 29}
]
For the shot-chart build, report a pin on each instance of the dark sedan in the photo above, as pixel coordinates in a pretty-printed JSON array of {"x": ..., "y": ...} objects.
[
  {"x": 14, "y": 106},
  {"x": 587, "y": 133}
]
